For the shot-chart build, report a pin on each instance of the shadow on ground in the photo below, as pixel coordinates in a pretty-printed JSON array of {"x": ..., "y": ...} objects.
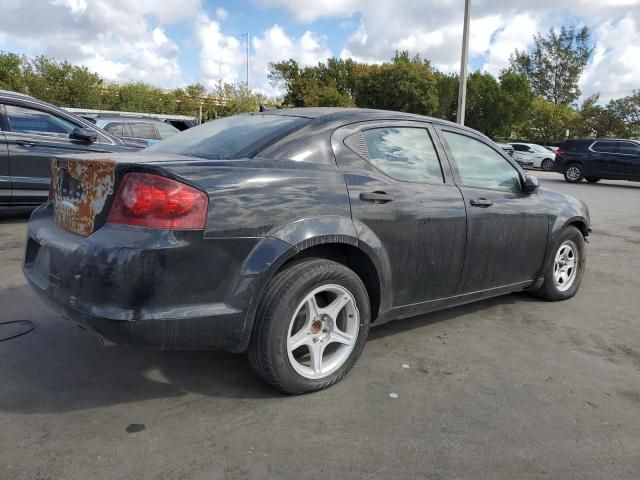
[{"x": 58, "y": 367}]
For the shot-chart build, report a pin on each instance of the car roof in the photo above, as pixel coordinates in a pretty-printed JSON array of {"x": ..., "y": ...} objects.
[
  {"x": 345, "y": 113},
  {"x": 127, "y": 119}
]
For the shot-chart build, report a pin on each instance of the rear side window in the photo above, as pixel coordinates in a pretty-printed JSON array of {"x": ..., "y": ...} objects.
[
  {"x": 230, "y": 137},
  {"x": 28, "y": 120},
  {"x": 142, "y": 130},
  {"x": 403, "y": 153},
  {"x": 520, "y": 148},
  {"x": 628, "y": 148},
  {"x": 605, "y": 147},
  {"x": 480, "y": 166}
]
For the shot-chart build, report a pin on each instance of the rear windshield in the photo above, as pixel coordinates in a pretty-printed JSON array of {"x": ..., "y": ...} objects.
[{"x": 227, "y": 138}]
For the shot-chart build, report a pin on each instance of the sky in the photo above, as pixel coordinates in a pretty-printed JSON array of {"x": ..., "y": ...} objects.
[{"x": 176, "y": 43}]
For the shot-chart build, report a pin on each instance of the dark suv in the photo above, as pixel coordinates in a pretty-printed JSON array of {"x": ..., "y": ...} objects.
[
  {"x": 31, "y": 132},
  {"x": 595, "y": 159}
]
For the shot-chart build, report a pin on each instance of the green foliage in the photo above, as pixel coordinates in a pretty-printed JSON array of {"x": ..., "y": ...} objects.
[
  {"x": 547, "y": 122},
  {"x": 619, "y": 118},
  {"x": 404, "y": 84},
  {"x": 67, "y": 85},
  {"x": 555, "y": 63}
]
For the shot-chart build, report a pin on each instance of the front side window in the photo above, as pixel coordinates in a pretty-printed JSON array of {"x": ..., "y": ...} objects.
[
  {"x": 165, "y": 130},
  {"x": 143, "y": 130},
  {"x": 114, "y": 128},
  {"x": 404, "y": 153},
  {"x": 605, "y": 147},
  {"x": 31, "y": 121},
  {"x": 480, "y": 166}
]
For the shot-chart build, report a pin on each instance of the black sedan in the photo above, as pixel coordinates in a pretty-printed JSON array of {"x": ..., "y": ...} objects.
[
  {"x": 31, "y": 131},
  {"x": 289, "y": 233}
]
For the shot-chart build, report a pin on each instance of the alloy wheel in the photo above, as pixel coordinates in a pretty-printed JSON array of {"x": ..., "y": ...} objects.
[{"x": 323, "y": 331}]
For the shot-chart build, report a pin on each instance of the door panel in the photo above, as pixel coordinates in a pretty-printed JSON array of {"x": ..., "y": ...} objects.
[
  {"x": 421, "y": 225},
  {"x": 506, "y": 228},
  {"x": 5, "y": 178},
  {"x": 34, "y": 136}
]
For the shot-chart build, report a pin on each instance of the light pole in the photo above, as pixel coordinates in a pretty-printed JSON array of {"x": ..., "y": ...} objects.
[
  {"x": 247, "y": 34},
  {"x": 462, "y": 92}
]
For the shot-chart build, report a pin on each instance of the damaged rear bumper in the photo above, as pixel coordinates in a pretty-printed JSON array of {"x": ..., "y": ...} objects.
[{"x": 154, "y": 288}]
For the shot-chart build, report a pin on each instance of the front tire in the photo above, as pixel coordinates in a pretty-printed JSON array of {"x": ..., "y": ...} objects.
[
  {"x": 311, "y": 328},
  {"x": 574, "y": 173},
  {"x": 547, "y": 165},
  {"x": 564, "y": 266}
]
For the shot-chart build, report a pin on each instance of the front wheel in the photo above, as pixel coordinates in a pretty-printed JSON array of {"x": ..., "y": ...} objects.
[
  {"x": 547, "y": 165},
  {"x": 311, "y": 328},
  {"x": 573, "y": 173},
  {"x": 564, "y": 266}
]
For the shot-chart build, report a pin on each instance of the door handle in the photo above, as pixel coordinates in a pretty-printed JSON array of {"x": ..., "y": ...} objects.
[
  {"x": 481, "y": 202},
  {"x": 376, "y": 197},
  {"x": 24, "y": 143}
]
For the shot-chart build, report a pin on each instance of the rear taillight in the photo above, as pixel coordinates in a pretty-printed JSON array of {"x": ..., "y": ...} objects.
[{"x": 147, "y": 200}]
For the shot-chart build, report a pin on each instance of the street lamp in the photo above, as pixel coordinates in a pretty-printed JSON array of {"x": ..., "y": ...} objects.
[
  {"x": 464, "y": 60},
  {"x": 247, "y": 35}
]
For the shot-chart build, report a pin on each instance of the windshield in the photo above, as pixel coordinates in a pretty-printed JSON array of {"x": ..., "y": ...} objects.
[{"x": 229, "y": 137}]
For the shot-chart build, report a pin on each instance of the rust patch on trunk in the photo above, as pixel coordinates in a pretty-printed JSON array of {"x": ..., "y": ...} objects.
[{"x": 80, "y": 190}]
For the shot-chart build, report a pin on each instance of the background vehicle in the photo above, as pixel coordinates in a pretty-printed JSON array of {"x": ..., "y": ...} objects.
[
  {"x": 531, "y": 155},
  {"x": 507, "y": 148},
  {"x": 31, "y": 132},
  {"x": 593, "y": 160},
  {"x": 141, "y": 129},
  {"x": 287, "y": 234}
]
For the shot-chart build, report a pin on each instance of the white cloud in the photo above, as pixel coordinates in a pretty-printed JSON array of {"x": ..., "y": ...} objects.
[
  {"x": 119, "y": 39},
  {"x": 223, "y": 57},
  {"x": 614, "y": 70}
]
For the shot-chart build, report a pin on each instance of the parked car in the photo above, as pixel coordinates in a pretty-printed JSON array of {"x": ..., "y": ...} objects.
[
  {"x": 289, "y": 233},
  {"x": 531, "y": 155},
  {"x": 182, "y": 124},
  {"x": 31, "y": 131},
  {"x": 141, "y": 129},
  {"x": 593, "y": 160},
  {"x": 507, "y": 148}
]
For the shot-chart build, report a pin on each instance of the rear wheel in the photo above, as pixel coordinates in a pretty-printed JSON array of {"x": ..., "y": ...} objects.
[
  {"x": 564, "y": 266},
  {"x": 593, "y": 179},
  {"x": 547, "y": 165},
  {"x": 311, "y": 328},
  {"x": 574, "y": 173}
]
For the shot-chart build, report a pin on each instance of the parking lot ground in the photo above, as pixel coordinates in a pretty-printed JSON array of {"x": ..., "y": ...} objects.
[{"x": 511, "y": 388}]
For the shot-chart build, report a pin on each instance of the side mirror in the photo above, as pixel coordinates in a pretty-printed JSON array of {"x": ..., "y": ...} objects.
[
  {"x": 530, "y": 184},
  {"x": 84, "y": 135}
]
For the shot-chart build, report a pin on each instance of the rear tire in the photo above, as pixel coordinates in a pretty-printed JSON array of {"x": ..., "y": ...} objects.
[
  {"x": 574, "y": 173},
  {"x": 593, "y": 179},
  {"x": 547, "y": 165},
  {"x": 564, "y": 266},
  {"x": 311, "y": 326}
]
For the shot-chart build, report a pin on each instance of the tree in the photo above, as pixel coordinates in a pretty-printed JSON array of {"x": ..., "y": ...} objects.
[
  {"x": 555, "y": 63},
  {"x": 405, "y": 84},
  {"x": 11, "y": 76},
  {"x": 546, "y": 123}
]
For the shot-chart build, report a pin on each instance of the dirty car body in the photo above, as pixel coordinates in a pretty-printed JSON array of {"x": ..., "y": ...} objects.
[{"x": 280, "y": 186}]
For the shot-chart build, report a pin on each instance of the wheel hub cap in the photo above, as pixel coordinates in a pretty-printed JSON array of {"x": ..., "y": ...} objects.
[
  {"x": 565, "y": 266},
  {"x": 323, "y": 331}
]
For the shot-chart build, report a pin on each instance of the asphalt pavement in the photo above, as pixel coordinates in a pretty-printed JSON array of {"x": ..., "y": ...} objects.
[{"x": 508, "y": 388}]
